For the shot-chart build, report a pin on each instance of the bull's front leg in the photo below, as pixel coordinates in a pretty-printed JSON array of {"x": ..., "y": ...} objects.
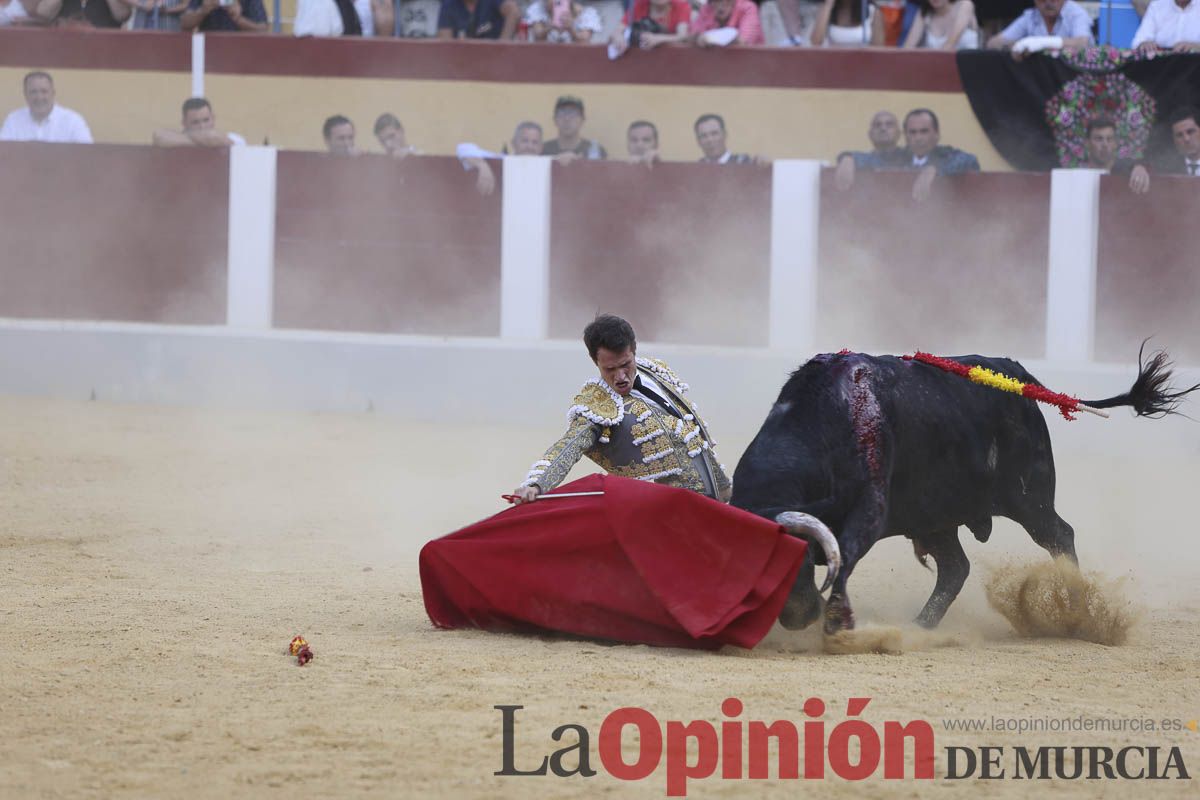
[
  {"x": 862, "y": 529},
  {"x": 838, "y": 614},
  {"x": 952, "y": 570}
]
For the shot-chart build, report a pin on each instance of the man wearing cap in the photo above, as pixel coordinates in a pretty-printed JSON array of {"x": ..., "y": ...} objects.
[
  {"x": 568, "y": 118},
  {"x": 633, "y": 421}
]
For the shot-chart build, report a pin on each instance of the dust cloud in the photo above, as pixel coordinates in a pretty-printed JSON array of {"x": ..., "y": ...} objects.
[
  {"x": 890, "y": 640},
  {"x": 1058, "y": 599}
]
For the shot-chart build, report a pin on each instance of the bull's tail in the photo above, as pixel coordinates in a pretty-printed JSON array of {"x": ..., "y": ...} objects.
[{"x": 1151, "y": 394}]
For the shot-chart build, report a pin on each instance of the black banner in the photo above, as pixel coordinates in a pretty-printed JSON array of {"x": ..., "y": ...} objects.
[{"x": 1035, "y": 111}]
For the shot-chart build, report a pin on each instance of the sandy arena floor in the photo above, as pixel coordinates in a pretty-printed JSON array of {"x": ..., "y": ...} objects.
[{"x": 154, "y": 564}]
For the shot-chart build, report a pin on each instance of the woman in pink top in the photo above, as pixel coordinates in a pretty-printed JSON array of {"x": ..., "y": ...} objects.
[
  {"x": 739, "y": 14},
  {"x": 673, "y": 18}
]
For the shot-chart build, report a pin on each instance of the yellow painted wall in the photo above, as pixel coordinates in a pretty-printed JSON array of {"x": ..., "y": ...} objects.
[{"x": 779, "y": 123}]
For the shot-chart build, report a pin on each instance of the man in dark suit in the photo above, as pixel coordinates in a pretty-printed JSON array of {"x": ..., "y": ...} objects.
[{"x": 1185, "y": 133}]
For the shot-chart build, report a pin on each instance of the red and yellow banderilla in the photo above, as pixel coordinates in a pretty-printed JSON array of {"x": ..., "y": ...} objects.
[{"x": 1067, "y": 405}]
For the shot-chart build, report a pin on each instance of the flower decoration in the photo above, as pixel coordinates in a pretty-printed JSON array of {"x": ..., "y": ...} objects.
[{"x": 1099, "y": 94}]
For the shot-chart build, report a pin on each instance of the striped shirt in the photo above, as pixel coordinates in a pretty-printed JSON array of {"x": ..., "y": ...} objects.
[{"x": 744, "y": 18}]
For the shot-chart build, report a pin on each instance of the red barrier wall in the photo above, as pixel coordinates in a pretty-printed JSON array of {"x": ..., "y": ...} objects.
[
  {"x": 1148, "y": 269},
  {"x": 113, "y": 232},
  {"x": 963, "y": 272},
  {"x": 482, "y": 60},
  {"x": 681, "y": 250},
  {"x": 383, "y": 246}
]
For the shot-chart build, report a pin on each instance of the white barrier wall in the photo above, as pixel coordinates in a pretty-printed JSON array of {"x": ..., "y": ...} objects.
[
  {"x": 248, "y": 363},
  {"x": 795, "y": 231},
  {"x": 458, "y": 380}
]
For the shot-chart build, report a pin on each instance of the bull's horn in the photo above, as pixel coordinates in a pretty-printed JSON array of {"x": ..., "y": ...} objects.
[{"x": 806, "y": 526}]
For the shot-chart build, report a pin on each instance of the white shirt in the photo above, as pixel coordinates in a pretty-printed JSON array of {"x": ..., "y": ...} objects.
[
  {"x": 1166, "y": 24},
  {"x": 850, "y": 35},
  {"x": 588, "y": 20},
  {"x": 920, "y": 161},
  {"x": 1073, "y": 21},
  {"x": 1191, "y": 167},
  {"x": 653, "y": 386},
  {"x": 12, "y": 13},
  {"x": 60, "y": 125},
  {"x": 366, "y": 17}
]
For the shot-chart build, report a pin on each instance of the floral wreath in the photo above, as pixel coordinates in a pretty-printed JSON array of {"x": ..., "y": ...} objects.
[{"x": 1099, "y": 94}]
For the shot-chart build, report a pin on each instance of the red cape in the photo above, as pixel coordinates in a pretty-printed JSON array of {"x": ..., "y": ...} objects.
[{"x": 642, "y": 563}]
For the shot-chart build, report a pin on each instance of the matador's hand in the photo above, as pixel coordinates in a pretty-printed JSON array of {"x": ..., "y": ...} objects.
[{"x": 526, "y": 494}]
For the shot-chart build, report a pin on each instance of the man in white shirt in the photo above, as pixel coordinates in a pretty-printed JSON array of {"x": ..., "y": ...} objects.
[
  {"x": 1169, "y": 25},
  {"x": 1063, "y": 18},
  {"x": 43, "y": 121},
  {"x": 199, "y": 128}
]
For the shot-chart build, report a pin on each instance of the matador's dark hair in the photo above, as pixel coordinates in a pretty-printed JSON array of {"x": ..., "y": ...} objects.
[{"x": 610, "y": 332}]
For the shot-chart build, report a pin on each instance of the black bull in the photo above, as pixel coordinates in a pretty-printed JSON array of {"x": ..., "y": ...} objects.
[{"x": 877, "y": 446}]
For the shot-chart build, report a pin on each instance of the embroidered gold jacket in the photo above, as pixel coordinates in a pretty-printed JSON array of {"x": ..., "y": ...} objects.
[{"x": 632, "y": 438}]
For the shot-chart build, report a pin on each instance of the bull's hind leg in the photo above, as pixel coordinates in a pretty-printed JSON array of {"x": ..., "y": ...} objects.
[
  {"x": 1030, "y": 503},
  {"x": 1051, "y": 532},
  {"x": 952, "y": 570}
]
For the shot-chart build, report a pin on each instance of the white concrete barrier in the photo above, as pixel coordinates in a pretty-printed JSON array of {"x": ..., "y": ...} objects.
[{"x": 1071, "y": 273}]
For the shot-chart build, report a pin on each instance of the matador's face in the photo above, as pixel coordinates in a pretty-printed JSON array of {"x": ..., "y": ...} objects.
[{"x": 618, "y": 370}]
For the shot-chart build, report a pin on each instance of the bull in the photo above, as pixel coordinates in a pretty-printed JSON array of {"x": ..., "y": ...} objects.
[{"x": 858, "y": 448}]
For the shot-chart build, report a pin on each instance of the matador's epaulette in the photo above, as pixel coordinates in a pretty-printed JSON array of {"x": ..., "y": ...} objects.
[
  {"x": 598, "y": 403},
  {"x": 662, "y": 372}
]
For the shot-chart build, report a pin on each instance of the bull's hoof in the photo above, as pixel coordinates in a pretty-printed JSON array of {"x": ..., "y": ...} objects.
[
  {"x": 928, "y": 621},
  {"x": 838, "y": 617}
]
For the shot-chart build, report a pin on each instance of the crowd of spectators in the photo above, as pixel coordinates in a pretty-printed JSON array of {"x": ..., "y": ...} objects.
[
  {"x": 44, "y": 120},
  {"x": 933, "y": 24}
]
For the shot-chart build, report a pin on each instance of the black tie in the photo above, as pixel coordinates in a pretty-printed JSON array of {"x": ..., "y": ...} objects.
[{"x": 655, "y": 396}]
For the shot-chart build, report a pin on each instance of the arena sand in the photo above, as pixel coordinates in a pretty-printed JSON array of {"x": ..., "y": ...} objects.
[{"x": 155, "y": 563}]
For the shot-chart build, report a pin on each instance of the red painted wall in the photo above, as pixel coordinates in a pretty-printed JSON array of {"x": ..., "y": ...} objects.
[
  {"x": 383, "y": 246},
  {"x": 113, "y": 232},
  {"x": 963, "y": 272},
  {"x": 252, "y": 54},
  {"x": 1148, "y": 269},
  {"x": 681, "y": 250}
]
